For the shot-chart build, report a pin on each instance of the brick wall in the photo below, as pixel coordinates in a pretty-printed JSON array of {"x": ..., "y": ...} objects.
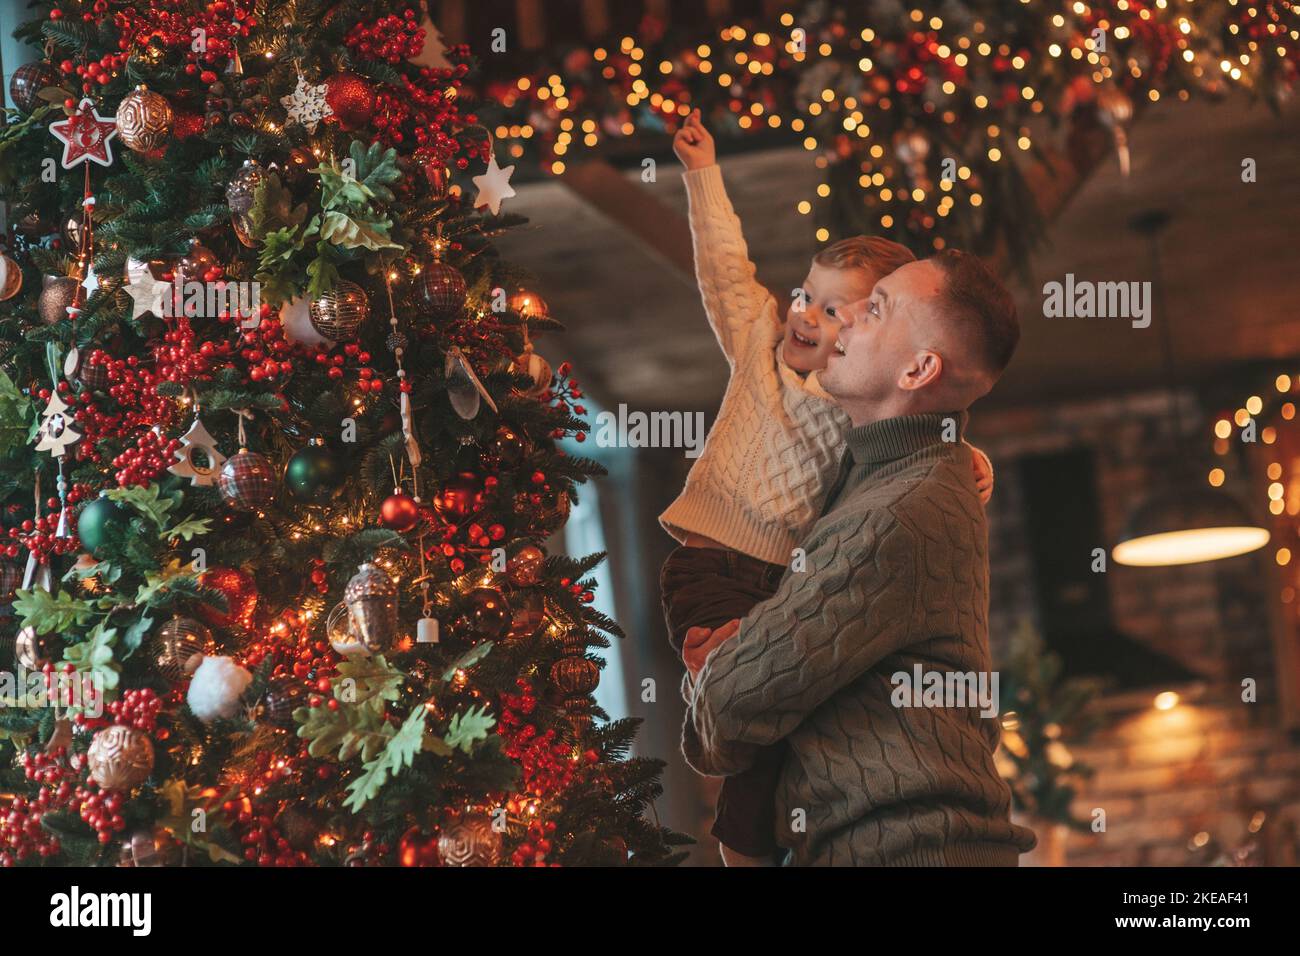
[{"x": 1176, "y": 785}]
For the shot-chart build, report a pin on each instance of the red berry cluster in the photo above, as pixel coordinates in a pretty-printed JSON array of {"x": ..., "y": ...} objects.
[
  {"x": 335, "y": 361},
  {"x": 565, "y": 395},
  {"x": 133, "y": 387},
  {"x": 170, "y": 24},
  {"x": 533, "y": 851},
  {"x": 254, "y": 823},
  {"x": 21, "y": 833},
  {"x": 293, "y": 649},
  {"x": 459, "y": 541},
  {"x": 95, "y": 72},
  {"x": 179, "y": 360},
  {"x": 268, "y": 353},
  {"x": 425, "y": 110},
  {"x": 390, "y": 38},
  {"x": 578, "y": 590},
  {"x": 138, "y": 708},
  {"x": 38, "y": 536},
  {"x": 547, "y": 763},
  {"x": 101, "y": 810},
  {"x": 151, "y": 455}
]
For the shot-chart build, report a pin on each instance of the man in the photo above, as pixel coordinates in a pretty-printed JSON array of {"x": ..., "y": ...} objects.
[{"x": 896, "y": 576}]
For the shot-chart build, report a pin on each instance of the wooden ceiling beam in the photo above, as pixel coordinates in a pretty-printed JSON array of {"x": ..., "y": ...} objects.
[{"x": 639, "y": 213}]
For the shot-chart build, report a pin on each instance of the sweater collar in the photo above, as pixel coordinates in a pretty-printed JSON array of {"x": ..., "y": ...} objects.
[{"x": 894, "y": 438}]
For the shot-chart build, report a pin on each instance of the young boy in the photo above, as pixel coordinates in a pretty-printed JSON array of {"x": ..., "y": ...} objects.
[{"x": 776, "y": 444}]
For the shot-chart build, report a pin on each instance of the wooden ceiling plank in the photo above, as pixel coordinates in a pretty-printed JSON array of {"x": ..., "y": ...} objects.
[{"x": 636, "y": 211}]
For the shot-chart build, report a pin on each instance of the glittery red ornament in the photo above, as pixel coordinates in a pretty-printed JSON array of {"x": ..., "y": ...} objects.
[
  {"x": 241, "y": 597},
  {"x": 460, "y": 497},
  {"x": 351, "y": 98},
  {"x": 185, "y": 125},
  {"x": 399, "y": 512},
  {"x": 416, "y": 848},
  {"x": 443, "y": 288}
]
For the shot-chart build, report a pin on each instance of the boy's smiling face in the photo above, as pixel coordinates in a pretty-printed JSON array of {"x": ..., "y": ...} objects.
[{"x": 810, "y": 331}]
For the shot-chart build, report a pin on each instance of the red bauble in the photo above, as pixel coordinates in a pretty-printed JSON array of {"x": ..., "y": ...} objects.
[
  {"x": 399, "y": 512},
  {"x": 460, "y": 497},
  {"x": 241, "y": 597},
  {"x": 416, "y": 848},
  {"x": 351, "y": 98}
]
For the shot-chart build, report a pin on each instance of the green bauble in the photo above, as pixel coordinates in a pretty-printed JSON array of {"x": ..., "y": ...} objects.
[
  {"x": 96, "y": 519},
  {"x": 314, "y": 474}
]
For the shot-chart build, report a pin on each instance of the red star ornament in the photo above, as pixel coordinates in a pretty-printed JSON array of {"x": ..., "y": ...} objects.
[{"x": 85, "y": 136}]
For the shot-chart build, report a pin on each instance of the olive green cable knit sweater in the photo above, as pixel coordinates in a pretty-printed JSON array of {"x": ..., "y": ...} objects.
[{"x": 897, "y": 575}]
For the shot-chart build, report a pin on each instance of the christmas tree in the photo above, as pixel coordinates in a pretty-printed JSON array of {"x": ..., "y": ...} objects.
[{"x": 277, "y": 462}]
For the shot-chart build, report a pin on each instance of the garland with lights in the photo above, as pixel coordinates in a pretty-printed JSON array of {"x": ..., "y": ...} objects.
[
  {"x": 271, "y": 562},
  {"x": 922, "y": 116}
]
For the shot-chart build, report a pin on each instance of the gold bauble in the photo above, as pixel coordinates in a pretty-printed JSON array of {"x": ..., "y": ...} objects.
[
  {"x": 11, "y": 278},
  {"x": 470, "y": 841},
  {"x": 144, "y": 120},
  {"x": 120, "y": 757},
  {"x": 178, "y": 647},
  {"x": 338, "y": 314}
]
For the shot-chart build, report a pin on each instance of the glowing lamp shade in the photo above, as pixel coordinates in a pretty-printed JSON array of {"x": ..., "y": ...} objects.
[{"x": 1187, "y": 528}]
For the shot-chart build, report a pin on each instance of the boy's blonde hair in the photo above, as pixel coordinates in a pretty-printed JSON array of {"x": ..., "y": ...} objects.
[{"x": 882, "y": 256}]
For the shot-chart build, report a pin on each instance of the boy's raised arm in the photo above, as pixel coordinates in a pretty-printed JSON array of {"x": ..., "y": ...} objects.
[{"x": 734, "y": 300}]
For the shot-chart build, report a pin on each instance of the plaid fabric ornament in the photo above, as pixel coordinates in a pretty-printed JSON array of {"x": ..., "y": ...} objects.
[{"x": 247, "y": 480}]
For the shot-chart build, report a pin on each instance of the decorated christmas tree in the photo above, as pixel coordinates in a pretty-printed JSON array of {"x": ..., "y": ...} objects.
[{"x": 278, "y": 461}]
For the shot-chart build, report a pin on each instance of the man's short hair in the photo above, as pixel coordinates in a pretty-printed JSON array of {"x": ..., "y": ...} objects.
[
  {"x": 865, "y": 252},
  {"x": 982, "y": 308}
]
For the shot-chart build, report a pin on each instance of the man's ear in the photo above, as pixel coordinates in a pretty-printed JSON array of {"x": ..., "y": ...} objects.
[{"x": 925, "y": 369}]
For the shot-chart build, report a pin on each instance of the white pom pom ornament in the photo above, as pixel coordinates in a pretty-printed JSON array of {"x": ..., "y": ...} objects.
[{"x": 216, "y": 688}]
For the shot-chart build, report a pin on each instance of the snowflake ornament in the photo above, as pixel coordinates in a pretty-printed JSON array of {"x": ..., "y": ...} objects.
[{"x": 306, "y": 104}]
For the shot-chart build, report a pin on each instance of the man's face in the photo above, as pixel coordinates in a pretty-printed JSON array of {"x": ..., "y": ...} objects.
[
  {"x": 879, "y": 339},
  {"x": 810, "y": 330}
]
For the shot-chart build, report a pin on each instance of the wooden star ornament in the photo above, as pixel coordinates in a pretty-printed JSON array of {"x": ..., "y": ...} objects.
[{"x": 86, "y": 136}]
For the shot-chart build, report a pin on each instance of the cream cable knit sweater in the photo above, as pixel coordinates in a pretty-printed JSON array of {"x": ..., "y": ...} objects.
[{"x": 758, "y": 484}]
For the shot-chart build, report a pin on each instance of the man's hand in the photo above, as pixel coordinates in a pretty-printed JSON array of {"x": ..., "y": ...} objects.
[
  {"x": 693, "y": 144},
  {"x": 700, "y": 642}
]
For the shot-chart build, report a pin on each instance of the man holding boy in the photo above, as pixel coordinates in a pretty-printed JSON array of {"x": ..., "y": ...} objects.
[{"x": 896, "y": 576}]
